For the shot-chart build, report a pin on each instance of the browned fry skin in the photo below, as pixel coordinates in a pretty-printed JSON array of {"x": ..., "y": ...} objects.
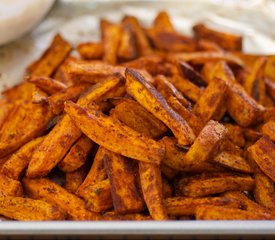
[
  {"x": 65, "y": 133},
  {"x": 235, "y": 134},
  {"x": 269, "y": 129},
  {"x": 93, "y": 72},
  {"x": 168, "y": 172},
  {"x": 269, "y": 114},
  {"x": 247, "y": 203},
  {"x": 111, "y": 36},
  {"x": 143, "y": 44},
  {"x": 113, "y": 135},
  {"x": 49, "y": 191},
  {"x": 167, "y": 189},
  {"x": 112, "y": 216},
  {"x": 5, "y": 108},
  {"x": 212, "y": 183},
  {"x": 233, "y": 161},
  {"x": 223, "y": 213},
  {"x": 241, "y": 107},
  {"x": 56, "y": 101},
  {"x": 263, "y": 153},
  {"x": 26, "y": 209},
  {"x": 77, "y": 155},
  {"x": 125, "y": 194},
  {"x": 187, "y": 88},
  {"x": 51, "y": 58},
  {"x": 48, "y": 85},
  {"x": 182, "y": 206},
  {"x": 61, "y": 73},
  {"x": 269, "y": 69},
  {"x": 270, "y": 87},
  {"x": 206, "y": 144},
  {"x": 175, "y": 159},
  {"x": 163, "y": 22},
  {"x": 252, "y": 135},
  {"x": 4, "y": 160},
  {"x": 10, "y": 187},
  {"x": 227, "y": 41},
  {"x": 254, "y": 84},
  {"x": 127, "y": 49},
  {"x": 195, "y": 123},
  {"x": 205, "y": 45},
  {"x": 188, "y": 72},
  {"x": 135, "y": 116},
  {"x": 76, "y": 178},
  {"x": 22, "y": 91},
  {"x": 18, "y": 162},
  {"x": 151, "y": 184},
  {"x": 264, "y": 191},
  {"x": 211, "y": 101},
  {"x": 90, "y": 50},
  {"x": 149, "y": 98},
  {"x": 167, "y": 90}
]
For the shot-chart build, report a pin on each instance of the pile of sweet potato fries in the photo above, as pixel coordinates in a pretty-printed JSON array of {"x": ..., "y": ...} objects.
[{"x": 147, "y": 124}]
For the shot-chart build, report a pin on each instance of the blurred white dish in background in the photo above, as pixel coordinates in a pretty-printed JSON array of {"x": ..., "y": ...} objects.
[{"x": 20, "y": 16}]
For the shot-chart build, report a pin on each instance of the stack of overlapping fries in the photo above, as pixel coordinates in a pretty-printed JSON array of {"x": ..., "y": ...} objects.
[{"x": 147, "y": 124}]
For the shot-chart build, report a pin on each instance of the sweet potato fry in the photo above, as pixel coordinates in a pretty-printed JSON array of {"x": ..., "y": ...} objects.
[
  {"x": 61, "y": 73},
  {"x": 263, "y": 153},
  {"x": 90, "y": 50},
  {"x": 167, "y": 90},
  {"x": 48, "y": 85},
  {"x": 163, "y": 22},
  {"x": 65, "y": 133},
  {"x": 108, "y": 132},
  {"x": 125, "y": 194},
  {"x": 26, "y": 209},
  {"x": 233, "y": 161},
  {"x": 135, "y": 116},
  {"x": 143, "y": 44},
  {"x": 167, "y": 189},
  {"x": 269, "y": 129},
  {"x": 235, "y": 134},
  {"x": 181, "y": 206},
  {"x": 205, "y": 45},
  {"x": 168, "y": 172},
  {"x": 227, "y": 41},
  {"x": 5, "y": 108},
  {"x": 112, "y": 216},
  {"x": 223, "y": 213},
  {"x": 254, "y": 83},
  {"x": 212, "y": 183},
  {"x": 264, "y": 191},
  {"x": 187, "y": 88},
  {"x": 56, "y": 101},
  {"x": 211, "y": 101},
  {"x": 151, "y": 184},
  {"x": 77, "y": 155},
  {"x": 241, "y": 107},
  {"x": 10, "y": 187},
  {"x": 51, "y": 58},
  {"x": 270, "y": 87},
  {"x": 76, "y": 178},
  {"x": 18, "y": 162},
  {"x": 148, "y": 96},
  {"x": 49, "y": 191}
]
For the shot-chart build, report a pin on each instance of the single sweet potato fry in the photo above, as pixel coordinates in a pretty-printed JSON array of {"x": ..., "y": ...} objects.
[
  {"x": 211, "y": 101},
  {"x": 143, "y": 44},
  {"x": 18, "y": 162},
  {"x": 65, "y": 133},
  {"x": 270, "y": 87},
  {"x": 149, "y": 98},
  {"x": 77, "y": 155},
  {"x": 125, "y": 194},
  {"x": 137, "y": 117},
  {"x": 163, "y": 22},
  {"x": 235, "y": 134},
  {"x": 112, "y": 216},
  {"x": 151, "y": 184},
  {"x": 167, "y": 189},
  {"x": 264, "y": 191},
  {"x": 113, "y": 135},
  {"x": 223, "y": 213},
  {"x": 187, "y": 88},
  {"x": 269, "y": 129},
  {"x": 61, "y": 73},
  {"x": 168, "y": 172},
  {"x": 206, "y": 144},
  {"x": 76, "y": 178},
  {"x": 240, "y": 106},
  {"x": 212, "y": 183},
  {"x": 227, "y": 41},
  {"x": 22, "y": 91},
  {"x": 10, "y": 187},
  {"x": 205, "y": 45},
  {"x": 182, "y": 206},
  {"x": 5, "y": 108},
  {"x": 26, "y": 209},
  {"x": 233, "y": 161},
  {"x": 49, "y": 191},
  {"x": 51, "y": 58},
  {"x": 263, "y": 153},
  {"x": 48, "y": 85},
  {"x": 90, "y": 50}
]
